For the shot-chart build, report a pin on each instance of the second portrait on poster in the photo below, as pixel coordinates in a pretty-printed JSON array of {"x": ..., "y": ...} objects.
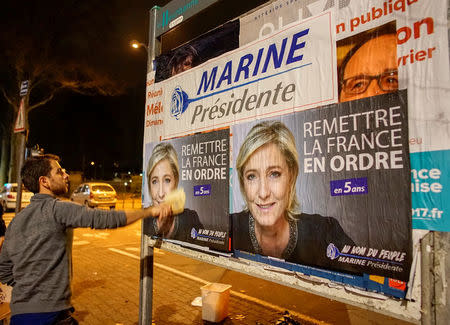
[{"x": 198, "y": 164}]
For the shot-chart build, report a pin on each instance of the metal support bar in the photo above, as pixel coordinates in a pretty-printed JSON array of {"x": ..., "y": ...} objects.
[
  {"x": 427, "y": 277},
  {"x": 21, "y": 156},
  {"x": 153, "y": 43},
  {"x": 146, "y": 279},
  {"x": 441, "y": 267}
]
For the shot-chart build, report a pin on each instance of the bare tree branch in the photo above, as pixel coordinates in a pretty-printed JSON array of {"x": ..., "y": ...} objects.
[
  {"x": 10, "y": 100},
  {"x": 42, "y": 102}
]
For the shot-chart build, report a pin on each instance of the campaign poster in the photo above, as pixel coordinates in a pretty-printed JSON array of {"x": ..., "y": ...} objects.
[
  {"x": 343, "y": 174},
  {"x": 350, "y": 210},
  {"x": 421, "y": 36},
  {"x": 198, "y": 164}
]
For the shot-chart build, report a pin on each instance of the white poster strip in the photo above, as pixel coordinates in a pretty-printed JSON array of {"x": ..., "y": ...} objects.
[{"x": 290, "y": 70}]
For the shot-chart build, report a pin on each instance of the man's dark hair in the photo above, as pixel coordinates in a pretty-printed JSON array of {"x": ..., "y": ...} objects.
[
  {"x": 35, "y": 167},
  {"x": 181, "y": 54}
]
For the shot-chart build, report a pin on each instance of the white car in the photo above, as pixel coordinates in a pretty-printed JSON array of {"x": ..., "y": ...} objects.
[
  {"x": 8, "y": 196},
  {"x": 95, "y": 195}
]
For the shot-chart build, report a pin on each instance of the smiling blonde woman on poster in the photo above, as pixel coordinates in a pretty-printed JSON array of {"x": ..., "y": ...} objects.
[
  {"x": 267, "y": 166},
  {"x": 163, "y": 175}
]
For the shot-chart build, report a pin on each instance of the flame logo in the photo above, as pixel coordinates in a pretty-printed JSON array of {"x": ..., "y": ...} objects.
[
  {"x": 194, "y": 233},
  {"x": 179, "y": 102},
  {"x": 332, "y": 251}
]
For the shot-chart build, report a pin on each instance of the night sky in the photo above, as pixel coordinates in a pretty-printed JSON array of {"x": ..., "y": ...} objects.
[
  {"x": 80, "y": 128},
  {"x": 104, "y": 129}
]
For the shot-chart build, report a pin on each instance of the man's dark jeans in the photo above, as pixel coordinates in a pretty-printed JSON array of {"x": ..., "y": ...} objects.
[{"x": 63, "y": 317}]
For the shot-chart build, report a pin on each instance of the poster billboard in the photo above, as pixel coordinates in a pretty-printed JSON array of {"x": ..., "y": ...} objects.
[{"x": 351, "y": 154}]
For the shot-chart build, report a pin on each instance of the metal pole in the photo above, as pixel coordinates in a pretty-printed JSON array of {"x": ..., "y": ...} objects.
[
  {"x": 146, "y": 280},
  {"x": 441, "y": 277},
  {"x": 21, "y": 150},
  {"x": 427, "y": 279},
  {"x": 22, "y": 141},
  {"x": 153, "y": 44}
]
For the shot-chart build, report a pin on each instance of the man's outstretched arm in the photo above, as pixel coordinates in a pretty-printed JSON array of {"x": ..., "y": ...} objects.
[{"x": 162, "y": 211}]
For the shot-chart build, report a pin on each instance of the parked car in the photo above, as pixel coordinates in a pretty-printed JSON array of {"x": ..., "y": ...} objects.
[
  {"x": 8, "y": 196},
  {"x": 95, "y": 195}
]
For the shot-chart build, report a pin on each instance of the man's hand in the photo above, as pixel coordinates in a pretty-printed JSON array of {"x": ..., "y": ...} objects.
[
  {"x": 163, "y": 211},
  {"x": 165, "y": 220}
]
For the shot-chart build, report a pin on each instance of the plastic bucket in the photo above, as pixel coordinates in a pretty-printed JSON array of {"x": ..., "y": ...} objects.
[{"x": 215, "y": 297}]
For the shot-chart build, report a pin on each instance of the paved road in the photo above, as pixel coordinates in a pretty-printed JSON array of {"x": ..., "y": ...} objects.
[{"x": 106, "y": 288}]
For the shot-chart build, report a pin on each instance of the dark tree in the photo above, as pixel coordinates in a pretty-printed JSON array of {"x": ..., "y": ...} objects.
[{"x": 56, "y": 46}]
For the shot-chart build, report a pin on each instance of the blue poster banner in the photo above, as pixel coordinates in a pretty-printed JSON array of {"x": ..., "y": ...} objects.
[{"x": 429, "y": 189}]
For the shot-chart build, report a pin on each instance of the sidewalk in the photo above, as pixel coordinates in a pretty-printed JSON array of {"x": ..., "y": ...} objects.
[
  {"x": 106, "y": 291},
  {"x": 173, "y": 294}
]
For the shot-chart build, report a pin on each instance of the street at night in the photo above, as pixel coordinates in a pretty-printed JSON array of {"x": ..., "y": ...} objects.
[
  {"x": 262, "y": 162},
  {"x": 106, "y": 287}
]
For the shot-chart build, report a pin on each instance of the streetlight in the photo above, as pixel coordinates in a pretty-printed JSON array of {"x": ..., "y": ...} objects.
[
  {"x": 149, "y": 49},
  {"x": 150, "y": 58},
  {"x": 135, "y": 44},
  {"x": 94, "y": 168}
]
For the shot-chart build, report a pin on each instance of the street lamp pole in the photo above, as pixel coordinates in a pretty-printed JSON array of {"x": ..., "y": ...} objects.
[{"x": 147, "y": 252}]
